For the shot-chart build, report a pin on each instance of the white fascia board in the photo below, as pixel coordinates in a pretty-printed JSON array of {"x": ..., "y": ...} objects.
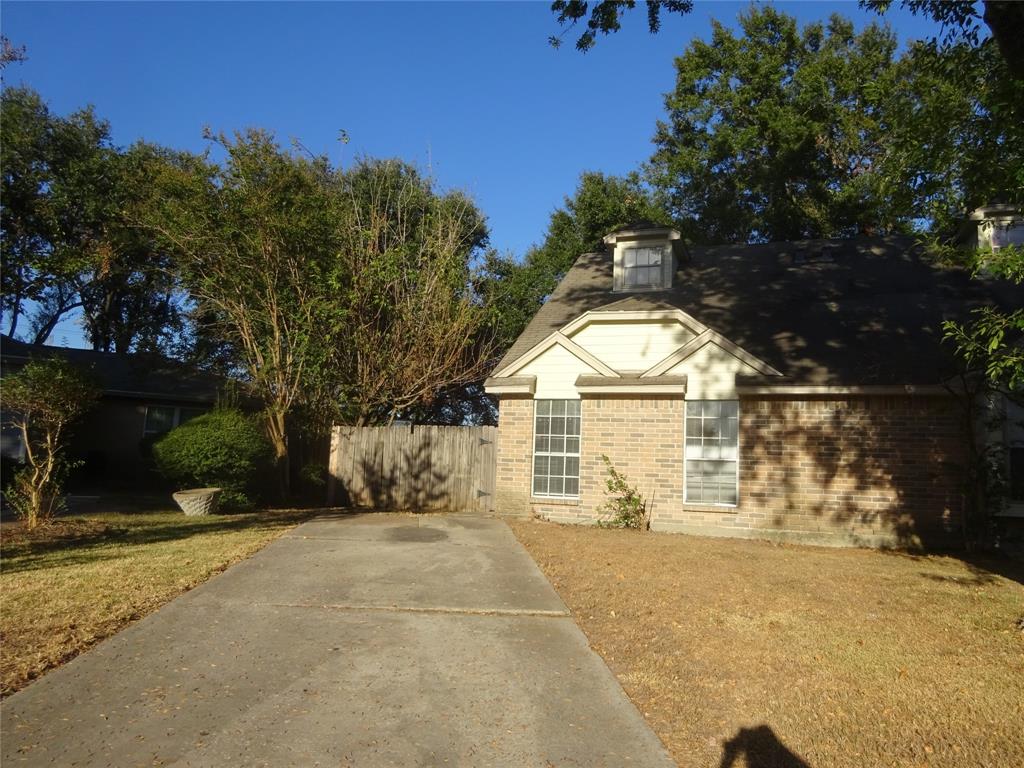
[
  {"x": 695, "y": 345},
  {"x": 566, "y": 343},
  {"x": 615, "y": 316}
]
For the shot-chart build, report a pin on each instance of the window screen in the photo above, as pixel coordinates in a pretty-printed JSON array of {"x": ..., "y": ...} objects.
[
  {"x": 159, "y": 419},
  {"x": 641, "y": 267},
  {"x": 556, "y": 448},
  {"x": 712, "y": 448}
]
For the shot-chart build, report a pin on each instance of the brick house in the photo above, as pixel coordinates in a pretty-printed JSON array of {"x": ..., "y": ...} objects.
[{"x": 793, "y": 390}]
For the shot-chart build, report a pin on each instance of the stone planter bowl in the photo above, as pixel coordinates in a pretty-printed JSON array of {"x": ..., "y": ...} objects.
[{"x": 198, "y": 501}]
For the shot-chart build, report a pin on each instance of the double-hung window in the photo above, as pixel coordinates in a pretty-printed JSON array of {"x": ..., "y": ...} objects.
[
  {"x": 164, "y": 418},
  {"x": 641, "y": 268},
  {"x": 712, "y": 451},
  {"x": 556, "y": 448}
]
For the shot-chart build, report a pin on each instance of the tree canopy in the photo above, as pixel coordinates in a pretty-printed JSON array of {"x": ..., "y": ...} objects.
[
  {"x": 67, "y": 240},
  {"x": 775, "y": 132}
]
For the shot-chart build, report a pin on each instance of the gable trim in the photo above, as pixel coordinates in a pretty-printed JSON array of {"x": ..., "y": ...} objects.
[
  {"x": 556, "y": 339},
  {"x": 626, "y": 315},
  {"x": 706, "y": 337}
]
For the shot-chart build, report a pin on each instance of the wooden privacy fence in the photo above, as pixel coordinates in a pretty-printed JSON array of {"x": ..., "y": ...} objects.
[{"x": 415, "y": 468}]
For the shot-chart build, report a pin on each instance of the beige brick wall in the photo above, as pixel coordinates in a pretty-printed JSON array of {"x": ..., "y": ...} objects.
[{"x": 865, "y": 471}]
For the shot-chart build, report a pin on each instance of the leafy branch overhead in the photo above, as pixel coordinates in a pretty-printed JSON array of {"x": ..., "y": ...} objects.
[{"x": 605, "y": 17}]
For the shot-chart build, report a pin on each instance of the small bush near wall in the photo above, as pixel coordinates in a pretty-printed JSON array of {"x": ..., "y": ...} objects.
[
  {"x": 625, "y": 507},
  {"x": 224, "y": 449}
]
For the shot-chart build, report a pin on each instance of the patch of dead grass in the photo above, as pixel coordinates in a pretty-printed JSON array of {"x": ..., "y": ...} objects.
[
  {"x": 748, "y": 653},
  {"x": 69, "y": 585}
]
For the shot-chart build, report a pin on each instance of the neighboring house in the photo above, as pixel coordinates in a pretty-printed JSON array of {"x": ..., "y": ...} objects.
[
  {"x": 143, "y": 397},
  {"x": 791, "y": 390}
]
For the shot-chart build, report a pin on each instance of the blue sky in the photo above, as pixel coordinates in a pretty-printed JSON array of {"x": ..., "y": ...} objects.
[{"x": 473, "y": 89}]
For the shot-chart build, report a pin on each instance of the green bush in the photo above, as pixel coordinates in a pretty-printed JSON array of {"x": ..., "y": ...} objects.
[
  {"x": 224, "y": 449},
  {"x": 625, "y": 507}
]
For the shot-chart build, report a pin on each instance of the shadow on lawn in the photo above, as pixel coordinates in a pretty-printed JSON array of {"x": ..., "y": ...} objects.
[
  {"x": 759, "y": 748},
  {"x": 84, "y": 544}
]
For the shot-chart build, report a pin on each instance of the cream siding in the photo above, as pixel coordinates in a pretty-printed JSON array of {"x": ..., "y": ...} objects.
[
  {"x": 711, "y": 373},
  {"x": 632, "y": 346},
  {"x": 556, "y": 371}
]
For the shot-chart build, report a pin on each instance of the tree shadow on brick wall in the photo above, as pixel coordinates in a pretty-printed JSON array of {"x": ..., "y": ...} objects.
[
  {"x": 412, "y": 483},
  {"x": 873, "y": 466},
  {"x": 759, "y": 747}
]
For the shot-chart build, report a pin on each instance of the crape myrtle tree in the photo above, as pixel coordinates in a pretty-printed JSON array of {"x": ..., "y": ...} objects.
[
  {"x": 253, "y": 239},
  {"x": 41, "y": 401},
  {"x": 346, "y": 295}
]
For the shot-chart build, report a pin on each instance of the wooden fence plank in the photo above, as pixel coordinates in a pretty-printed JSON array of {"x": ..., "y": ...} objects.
[{"x": 421, "y": 467}]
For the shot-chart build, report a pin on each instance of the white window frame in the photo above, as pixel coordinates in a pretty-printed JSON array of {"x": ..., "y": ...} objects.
[
  {"x": 175, "y": 419},
  {"x": 686, "y": 459},
  {"x": 564, "y": 454},
  {"x": 648, "y": 251}
]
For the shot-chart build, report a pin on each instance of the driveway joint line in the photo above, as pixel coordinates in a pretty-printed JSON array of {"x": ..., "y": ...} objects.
[
  {"x": 439, "y": 610},
  {"x": 383, "y": 541}
]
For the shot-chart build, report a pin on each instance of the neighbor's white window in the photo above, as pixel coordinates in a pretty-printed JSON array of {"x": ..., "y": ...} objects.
[
  {"x": 712, "y": 451},
  {"x": 556, "y": 448},
  {"x": 641, "y": 268},
  {"x": 159, "y": 419},
  {"x": 164, "y": 418}
]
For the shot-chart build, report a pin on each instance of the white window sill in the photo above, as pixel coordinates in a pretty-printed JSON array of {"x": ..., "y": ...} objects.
[
  {"x": 562, "y": 501},
  {"x": 692, "y": 506}
]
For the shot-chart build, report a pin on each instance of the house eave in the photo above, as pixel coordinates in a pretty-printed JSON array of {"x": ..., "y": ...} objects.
[
  {"x": 511, "y": 385},
  {"x": 602, "y": 385},
  {"x": 923, "y": 390}
]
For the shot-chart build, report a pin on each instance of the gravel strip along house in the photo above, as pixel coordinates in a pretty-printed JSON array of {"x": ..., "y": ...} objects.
[{"x": 797, "y": 390}]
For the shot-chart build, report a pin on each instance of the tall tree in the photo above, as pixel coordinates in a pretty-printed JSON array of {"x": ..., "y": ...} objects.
[
  {"x": 955, "y": 134},
  {"x": 253, "y": 239},
  {"x": 68, "y": 245},
  {"x": 775, "y": 133},
  {"x": 414, "y": 328}
]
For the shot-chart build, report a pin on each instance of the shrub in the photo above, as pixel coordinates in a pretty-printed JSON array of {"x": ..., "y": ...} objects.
[
  {"x": 626, "y": 507},
  {"x": 224, "y": 449}
]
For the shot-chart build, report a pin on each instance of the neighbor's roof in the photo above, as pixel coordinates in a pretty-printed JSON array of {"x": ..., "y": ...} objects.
[
  {"x": 863, "y": 311},
  {"x": 132, "y": 375}
]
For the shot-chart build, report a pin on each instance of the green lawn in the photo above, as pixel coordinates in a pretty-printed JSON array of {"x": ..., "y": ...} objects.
[{"x": 68, "y": 586}]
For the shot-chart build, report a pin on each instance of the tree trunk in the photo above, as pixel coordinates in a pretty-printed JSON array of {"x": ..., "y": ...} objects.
[{"x": 278, "y": 434}]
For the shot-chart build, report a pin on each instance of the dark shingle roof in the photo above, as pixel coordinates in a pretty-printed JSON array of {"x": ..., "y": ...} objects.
[
  {"x": 150, "y": 376},
  {"x": 864, "y": 311}
]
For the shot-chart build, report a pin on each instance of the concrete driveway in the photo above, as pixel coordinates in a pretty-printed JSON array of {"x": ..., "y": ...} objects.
[{"x": 365, "y": 640}]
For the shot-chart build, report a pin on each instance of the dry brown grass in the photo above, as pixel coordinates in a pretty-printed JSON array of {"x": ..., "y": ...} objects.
[
  {"x": 749, "y": 653},
  {"x": 70, "y": 585}
]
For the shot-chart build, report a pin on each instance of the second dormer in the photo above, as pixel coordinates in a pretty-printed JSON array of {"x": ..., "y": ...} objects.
[{"x": 645, "y": 257}]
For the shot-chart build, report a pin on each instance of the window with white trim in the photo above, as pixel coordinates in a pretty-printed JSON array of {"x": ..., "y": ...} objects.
[
  {"x": 641, "y": 267},
  {"x": 711, "y": 473},
  {"x": 164, "y": 418},
  {"x": 556, "y": 448}
]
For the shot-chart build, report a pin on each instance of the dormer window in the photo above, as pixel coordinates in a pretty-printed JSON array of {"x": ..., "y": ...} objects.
[
  {"x": 643, "y": 256},
  {"x": 642, "y": 267}
]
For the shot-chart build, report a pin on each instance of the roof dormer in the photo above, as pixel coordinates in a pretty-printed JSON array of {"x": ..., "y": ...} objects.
[{"x": 644, "y": 256}]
